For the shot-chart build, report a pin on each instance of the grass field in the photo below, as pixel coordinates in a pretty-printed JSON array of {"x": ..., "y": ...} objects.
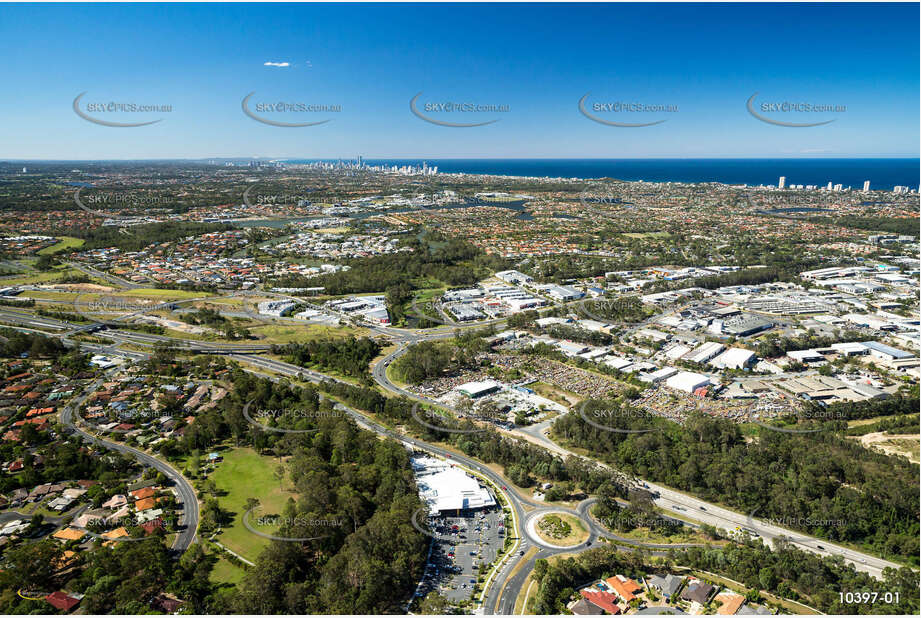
[
  {"x": 37, "y": 278},
  {"x": 48, "y": 295},
  {"x": 242, "y": 475},
  {"x": 554, "y": 393},
  {"x": 163, "y": 295},
  {"x": 65, "y": 242},
  {"x": 286, "y": 332},
  {"x": 226, "y": 573}
]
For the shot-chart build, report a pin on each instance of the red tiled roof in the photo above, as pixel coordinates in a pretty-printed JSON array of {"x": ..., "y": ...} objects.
[
  {"x": 62, "y": 601},
  {"x": 604, "y": 600},
  {"x": 625, "y": 589}
]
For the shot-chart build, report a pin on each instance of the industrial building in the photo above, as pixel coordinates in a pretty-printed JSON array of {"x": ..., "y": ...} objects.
[
  {"x": 704, "y": 352},
  {"x": 514, "y": 277},
  {"x": 734, "y": 358},
  {"x": 687, "y": 381},
  {"x": 475, "y": 390},
  {"x": 562, "y": 292},
  {"x": 745, "y": 325},
  {"x": 276, "y": 308},
  {"x": 465, "y": 313}
]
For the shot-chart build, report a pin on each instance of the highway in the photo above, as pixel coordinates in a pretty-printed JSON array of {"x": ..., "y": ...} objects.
[
  {"x": 501, "y": 594},
  {"x": 673, "y": 501},
  {"x": 93, "y": 272}
]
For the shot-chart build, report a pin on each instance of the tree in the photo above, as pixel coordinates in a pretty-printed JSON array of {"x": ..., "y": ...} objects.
[
  {"x": 32, "y": 566},
  {"x": 434, "y": 604}
]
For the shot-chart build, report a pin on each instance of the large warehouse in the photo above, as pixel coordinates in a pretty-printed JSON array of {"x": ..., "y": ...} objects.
[
  {"x": 687, "y": 381},
  {"x": 475, "y": 390},
  {"x": 445, "y": 488}
]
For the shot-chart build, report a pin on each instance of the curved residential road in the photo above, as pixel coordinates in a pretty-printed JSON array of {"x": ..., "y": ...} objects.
[{"x": 188, "y": 520}]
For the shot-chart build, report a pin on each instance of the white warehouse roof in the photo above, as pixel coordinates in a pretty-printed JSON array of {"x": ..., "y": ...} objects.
[
  {"x": 733, "y": 358},
  {"x": 687, "y": 381},
  {"x": 445, "y": 487},
  {"x": 704, "y": 352}
]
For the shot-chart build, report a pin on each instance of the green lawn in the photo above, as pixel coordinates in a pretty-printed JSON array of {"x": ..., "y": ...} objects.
[
  {"x": 65, "y": 242},
  {"x": 38, "y": 278},
  {"x": 163, "y": 295},
  {"x": 226, "y": 573},
  {"x": 242, "y": 475}
]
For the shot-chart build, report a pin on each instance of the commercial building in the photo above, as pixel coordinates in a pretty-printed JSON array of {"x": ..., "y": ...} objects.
[
  {"x": 445, "y": 488},
  {"x": 885, "y": 352}
]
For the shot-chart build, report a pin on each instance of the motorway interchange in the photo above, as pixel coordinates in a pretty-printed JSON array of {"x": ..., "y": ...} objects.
[{"x": 505, "y": 583}]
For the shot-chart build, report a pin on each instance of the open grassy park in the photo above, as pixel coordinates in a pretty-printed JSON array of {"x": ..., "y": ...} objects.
[{"x": 244, "y": 474}]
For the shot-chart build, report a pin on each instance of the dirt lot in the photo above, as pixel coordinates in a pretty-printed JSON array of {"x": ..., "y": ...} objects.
[{"x": 906, "y": 445}]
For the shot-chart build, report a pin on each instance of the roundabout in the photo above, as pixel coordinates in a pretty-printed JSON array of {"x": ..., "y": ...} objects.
[{"x": 557, "y": 529}]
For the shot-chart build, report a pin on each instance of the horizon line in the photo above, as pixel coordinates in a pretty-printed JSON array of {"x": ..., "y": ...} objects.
[{"x": 444, "y": 158}]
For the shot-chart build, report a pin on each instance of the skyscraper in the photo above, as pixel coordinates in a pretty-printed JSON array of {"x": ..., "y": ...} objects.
[
  {"x": 866, "y": 186},
  {"x": 782, "y": 182}
]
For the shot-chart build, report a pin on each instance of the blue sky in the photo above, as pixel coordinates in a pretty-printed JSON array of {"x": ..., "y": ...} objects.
[{"x": 538, "y": 59}]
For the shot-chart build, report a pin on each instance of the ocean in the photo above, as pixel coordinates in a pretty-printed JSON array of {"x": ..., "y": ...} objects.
[{"x": 883, "y": 174}]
